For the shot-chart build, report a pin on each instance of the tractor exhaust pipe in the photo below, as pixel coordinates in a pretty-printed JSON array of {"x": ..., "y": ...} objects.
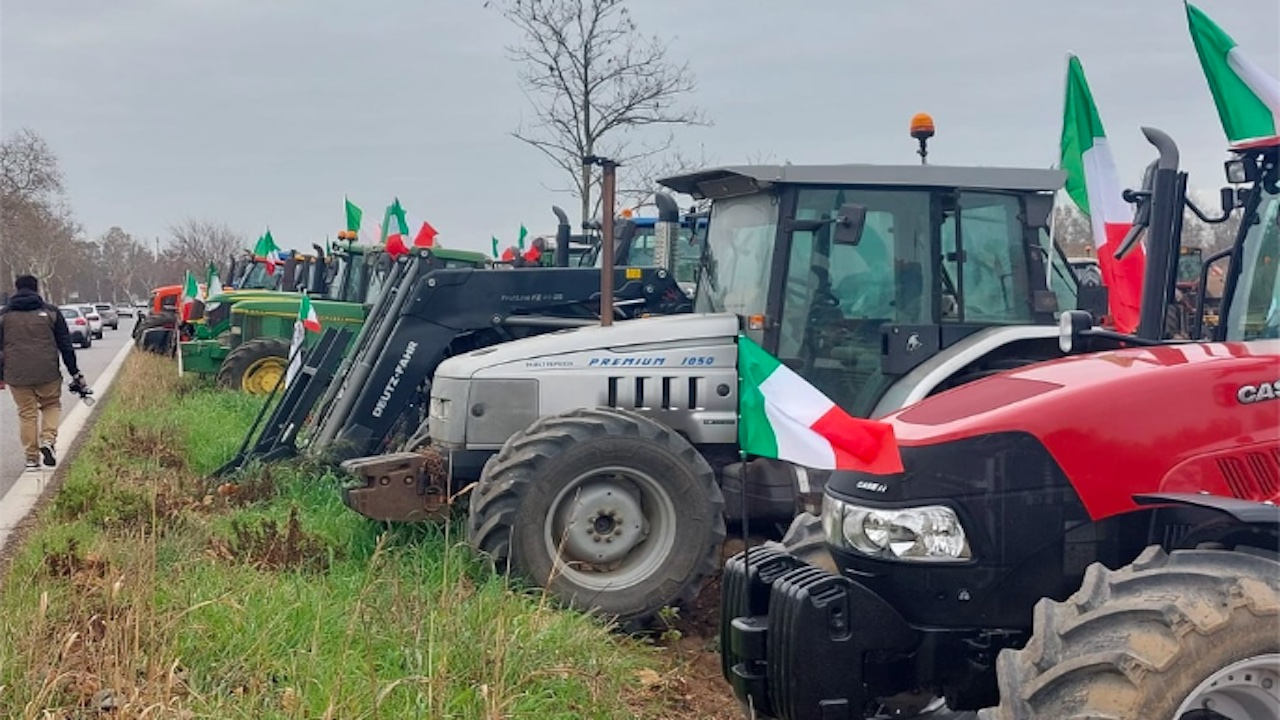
[
  {"x": 608, "y": 186},
  {"x": 666, "y": 232},
  {"x": 562, "y": 237},
  {"x": 1167, "y": 188}
]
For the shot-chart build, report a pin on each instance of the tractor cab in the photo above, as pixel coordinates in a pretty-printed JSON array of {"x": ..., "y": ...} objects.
[
  {"x": 856, "y": 274},
  {"x": 1053, "y": 524}
]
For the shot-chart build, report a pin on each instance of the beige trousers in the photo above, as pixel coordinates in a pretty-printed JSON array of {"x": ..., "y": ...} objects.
[{"x": 45, "y": 403}]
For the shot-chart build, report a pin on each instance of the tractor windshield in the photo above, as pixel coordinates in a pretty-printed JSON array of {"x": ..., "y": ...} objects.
[
  {"x": 1255, "y": 304},
  {"x": 256, "y": 277},
  {"x": 738, "y": 256},
  {"x": 687, "y": 251}
]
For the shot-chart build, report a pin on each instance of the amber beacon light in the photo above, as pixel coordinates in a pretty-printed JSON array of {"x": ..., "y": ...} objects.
[{"x": 922, "y": 129}]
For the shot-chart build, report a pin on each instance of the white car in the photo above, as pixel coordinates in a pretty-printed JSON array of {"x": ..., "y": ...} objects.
[
  {"x": 125, "y": 311},
  {"x": 95, "y": 320},
  {"x": 77, "y": 325}
]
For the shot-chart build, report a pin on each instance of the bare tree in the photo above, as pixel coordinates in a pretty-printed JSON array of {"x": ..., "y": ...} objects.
[
  {"x": 124, "y": 262},
  {"x": 594, "y": 82},
  {"x": 196, "y": 243},
  {"x": 30, "y": 209}
]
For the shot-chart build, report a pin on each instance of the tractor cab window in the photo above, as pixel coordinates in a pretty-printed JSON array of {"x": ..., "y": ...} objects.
[
  {"x": 687, "y": 251},
  {"x": 1255, "y": 302},
  {"x": 984, "y": 268},
  {"x": 377, "y": 269},
  {"x": 1062, "y": 278},
  {"x": 739, "y": 255},
  {"x": 836, "y": 297},
  {"x": 256, "y": 277}
]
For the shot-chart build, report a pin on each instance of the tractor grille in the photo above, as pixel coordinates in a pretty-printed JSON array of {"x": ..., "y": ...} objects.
[
  {"x": 657, "y": 392},
  {"x": 1252, "y": 475}
]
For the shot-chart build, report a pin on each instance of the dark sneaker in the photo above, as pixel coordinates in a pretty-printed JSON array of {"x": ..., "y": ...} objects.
[
  {"x": 32, "y": 465},
  {"x": 46, "y": 452}
]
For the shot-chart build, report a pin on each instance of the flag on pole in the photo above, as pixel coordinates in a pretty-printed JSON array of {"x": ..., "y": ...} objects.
[
  {"x": 1093, "y": 184},
  {"x": 783, "y": 417},
  {"x": 213, "y": 282},
  {"x": 307, "y": 321},
  {"x": 1248, "y": 98},
  {"x": 394, "y": 236},
  {"x": 426, "y": 236},
  {"x": 354, "y": 215},
  {"x": 190, "y": 293},
  {"x": 268, "y": 251},
  {"x": 520, "y": 241}
]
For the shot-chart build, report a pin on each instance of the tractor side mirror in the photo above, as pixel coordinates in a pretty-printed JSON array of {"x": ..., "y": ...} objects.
[
  {"x": 1071, "y": 327},
  {"x": 849, "y": 224}
]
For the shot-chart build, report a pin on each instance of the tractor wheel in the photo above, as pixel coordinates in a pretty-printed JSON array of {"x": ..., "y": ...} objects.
[
  {"x": 606, "y": 509},
  {"x": 1170, "y": 636},
  {"x": 255, "y": 366}
]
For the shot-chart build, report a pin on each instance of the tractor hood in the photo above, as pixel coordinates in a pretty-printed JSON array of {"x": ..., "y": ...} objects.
[
  {"x": 627, "y": 343},
  {"x": 1167, "y": 416},
  {"x": 1099, "y": 388}
]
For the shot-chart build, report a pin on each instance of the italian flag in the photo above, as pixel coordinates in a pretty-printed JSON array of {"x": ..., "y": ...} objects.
[
  {"x": 307, "y": 315},
  {"x": 1248, "y": 98},
  {"x": 214, "y": 282},
  {"x": 190, "y": 293},
  {"x": 394, "y": 235},
  {"x": 783, "y": 417},
  {"x": 268, "y": 251},
  {"x": 1093, "y": 184},
  {"x": 307, "y": 321}
]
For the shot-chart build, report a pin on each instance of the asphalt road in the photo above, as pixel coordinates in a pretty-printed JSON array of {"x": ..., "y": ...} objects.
[{"x": 92, "y": 362}]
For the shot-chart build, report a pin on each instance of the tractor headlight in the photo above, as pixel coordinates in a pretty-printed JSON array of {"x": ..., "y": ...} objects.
[
  {"x": 929, "y": 533},
  {"x": 440, "y": 408},
  {"x": 237, "y": 330}
]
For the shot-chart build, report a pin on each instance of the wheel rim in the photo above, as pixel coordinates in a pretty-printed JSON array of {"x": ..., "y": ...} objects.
[
  {"x": 1244, "y": 690},
  {"x": 261, "y": 376},
  {"x": 610, "y": 528}
]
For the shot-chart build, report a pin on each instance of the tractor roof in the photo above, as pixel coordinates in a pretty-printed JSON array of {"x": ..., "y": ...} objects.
[{"x": 745, "y": 179}]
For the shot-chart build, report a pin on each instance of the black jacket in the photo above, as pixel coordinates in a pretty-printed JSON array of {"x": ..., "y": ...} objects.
[{"x": 32, "y": 336}]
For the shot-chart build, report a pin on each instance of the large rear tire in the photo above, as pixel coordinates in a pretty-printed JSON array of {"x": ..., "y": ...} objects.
[
  {"x": 608, "y": 510},
  {"x": 1165, "y": 637},
  {"x": 255, "y": 366}
]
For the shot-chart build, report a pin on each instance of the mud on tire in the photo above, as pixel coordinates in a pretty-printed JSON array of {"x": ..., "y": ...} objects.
[
  {"x": 572, "y": 484},
  {"x": 1136, "y": 642}
]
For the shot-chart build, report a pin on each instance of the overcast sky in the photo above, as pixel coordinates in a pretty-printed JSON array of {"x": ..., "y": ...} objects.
[{"x": 260, "y": 112}]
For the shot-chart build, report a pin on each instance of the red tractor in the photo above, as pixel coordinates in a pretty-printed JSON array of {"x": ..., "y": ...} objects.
[{"x": 1090, "y": 537}]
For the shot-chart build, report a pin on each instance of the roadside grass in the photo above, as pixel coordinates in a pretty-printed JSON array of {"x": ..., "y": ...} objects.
[{"x": 147, "y": 591}]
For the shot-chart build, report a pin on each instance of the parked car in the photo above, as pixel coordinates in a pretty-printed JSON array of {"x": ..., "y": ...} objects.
[
  {"x": 125, "y": 311},
  {"x": 95, "y": 320},
  {"x": 109, "y": 316},
  {"x": 78, "y": 324}
]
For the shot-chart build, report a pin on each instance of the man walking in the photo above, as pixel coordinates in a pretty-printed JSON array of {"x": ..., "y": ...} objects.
[{"x": 32, "y": 336}]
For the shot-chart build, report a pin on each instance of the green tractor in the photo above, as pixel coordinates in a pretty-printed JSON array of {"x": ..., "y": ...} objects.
[{"x": 256, "y": 351}]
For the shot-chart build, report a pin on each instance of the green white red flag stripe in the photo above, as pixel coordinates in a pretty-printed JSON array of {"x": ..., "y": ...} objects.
[
  {"x": 190, "y": 293},
  {"x": 307, "y": 315},
  {"x": 1093, "y": 184},
  {"x": 307, "y": 321},
  {"x": 783, "y": 417},
  {"x": 1247, "y": 97}
]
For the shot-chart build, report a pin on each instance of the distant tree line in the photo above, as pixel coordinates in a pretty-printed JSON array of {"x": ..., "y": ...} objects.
[{"x": 39, "y": 235}]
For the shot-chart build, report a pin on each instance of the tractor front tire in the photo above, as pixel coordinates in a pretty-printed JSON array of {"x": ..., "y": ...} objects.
[
  {"x": 255, "y": 366},
  {"x": 151, "y": 323},
  {"x": 608, "y": 510},
  {"x": 1169, "y": 636}
]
